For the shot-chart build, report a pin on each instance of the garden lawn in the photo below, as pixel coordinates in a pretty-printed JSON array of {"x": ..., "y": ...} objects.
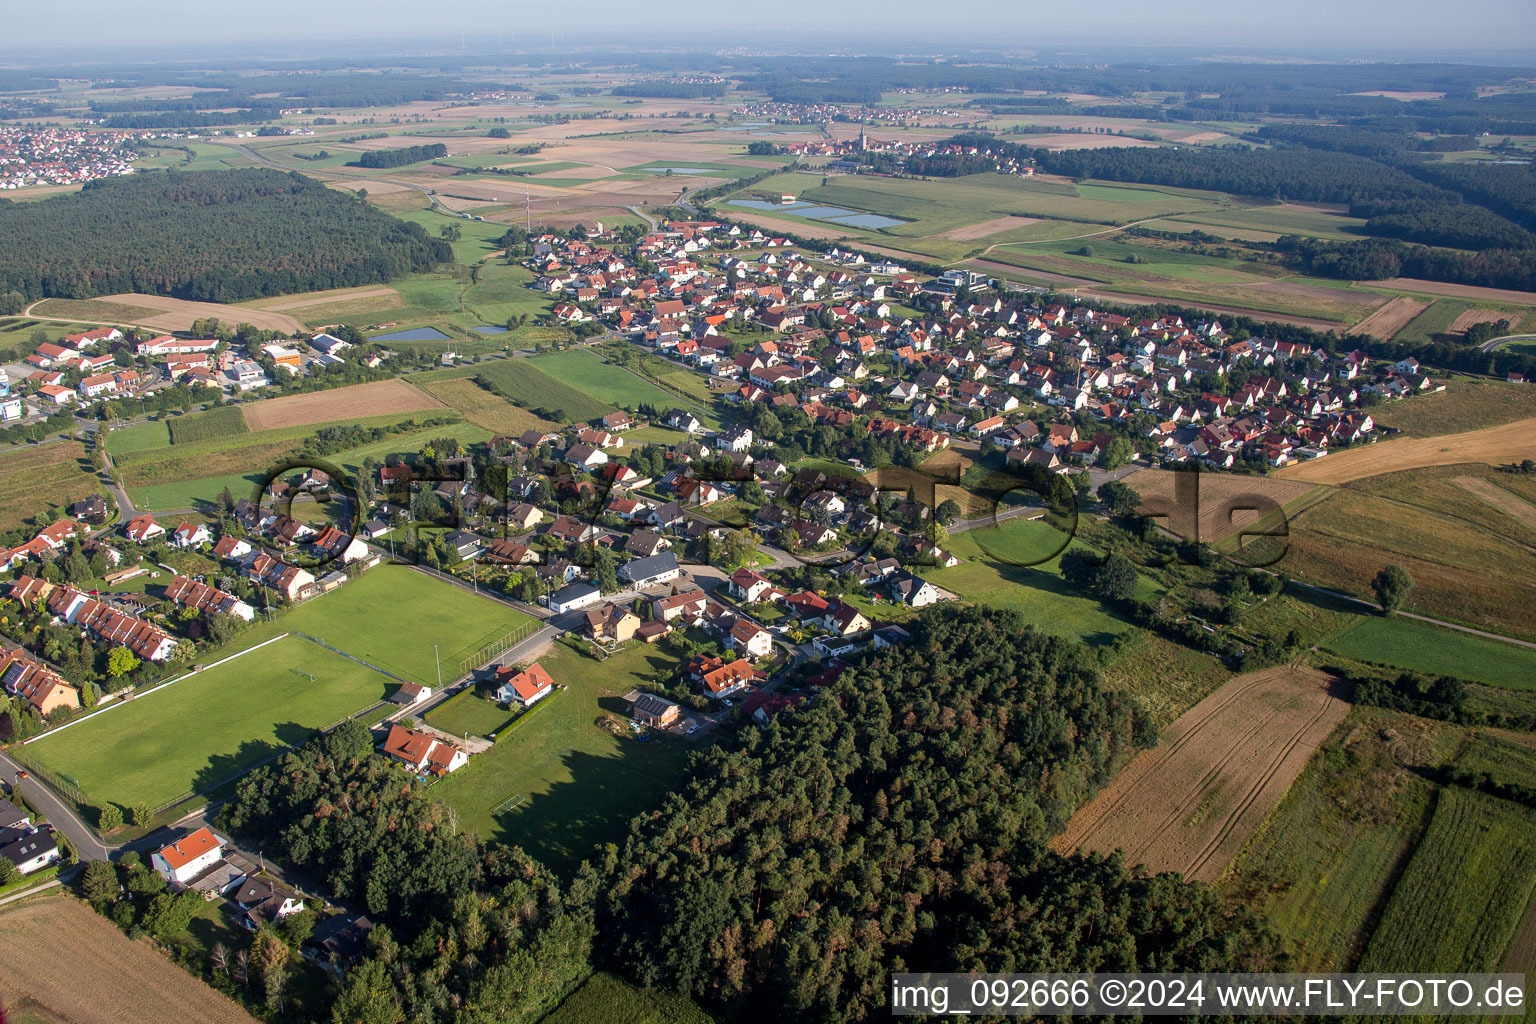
[
  {"x": 1407, "y": 644},
  {"x": 191, "y": 735},
  {"x": 1037, "y": 591},
  {"x": 558, "y": 783},
  {"x": 469, "y": 713}
]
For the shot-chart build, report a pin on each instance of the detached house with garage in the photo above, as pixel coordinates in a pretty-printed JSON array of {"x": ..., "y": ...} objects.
[
  {"x": 180, "y": 862},
  {"x": 423, "y": 752},
  {"x": 523, "y": 687}
]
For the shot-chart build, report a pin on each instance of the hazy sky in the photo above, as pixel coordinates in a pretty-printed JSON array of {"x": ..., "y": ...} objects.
[{"x": 1331, "y": 26}]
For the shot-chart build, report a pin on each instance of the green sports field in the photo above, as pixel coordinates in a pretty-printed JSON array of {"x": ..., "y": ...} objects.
[
  {"x": 1407, "y": 644},
  {"x": 195, "y": 733}
]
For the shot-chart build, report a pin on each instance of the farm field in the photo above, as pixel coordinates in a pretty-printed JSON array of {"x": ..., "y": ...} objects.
[
  {"x": 219, "y": 422},
  {"x": 1388, "y": 320},
  {"x": 1436, "y": 319},
  {"x": 612, "y": 1000},
  {"x": 1218, "y": 508},
  {"x": 486, "y": 410},
  {"x": 1421, "y": 647},
  {"x": 1508, "y": 442},
  {"x": 1470, "y": 561},
  {"x": 173, "y": 481},
  {"x": 560, "y": 783},
  {"x": 128, "y": 982},
  {"x": 526, "y": 383},
  {"x": 1322, "y": 865},
  {"x": 16, "y": 334},
  {"x": 1191, "y": 804},
  {"x": 42, "y": 477},
  {"x": 167, "y": 314},
  {"x": 378, "y": 398},
  {"x": 196, "y": 733},
  {"x": 1466, "y": 404},
  {"x": 586, "y": 371},
  {"x": 1163, "y": 678},
  {"x": 1458, "y": 903}
]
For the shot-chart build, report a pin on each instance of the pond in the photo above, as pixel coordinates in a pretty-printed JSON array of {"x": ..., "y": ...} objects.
[
  {"x": 415, "y": 334},
  {"x": 483, "y": 329},
  {"x": 824, "y": 212},
  {"x": 678, "y": 170},
  {"x": 763, "y": 204}
]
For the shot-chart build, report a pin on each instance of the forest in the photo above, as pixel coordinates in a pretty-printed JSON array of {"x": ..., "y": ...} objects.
[
  {"x": 216, "y": 236},
  {"x": 674, "y": 90},
  {"x": 379, "y": 158},
  {"x": 901, "y": 816}
]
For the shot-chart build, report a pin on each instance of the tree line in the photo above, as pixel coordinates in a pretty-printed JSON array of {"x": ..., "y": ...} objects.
[{"x": 381, "y": 158}]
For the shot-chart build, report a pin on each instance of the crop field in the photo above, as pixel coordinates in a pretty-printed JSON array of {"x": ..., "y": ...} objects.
[
  {"x": 196, "y": 733},
  {"x": 96, "y": 310},
  {"x": 1388, "y": 320},
  {"x": 1421, "y": 647},
  {"x": 1508, "y": 442},
  {"x": 559, "y": 783},
  {"x": 128, "y": 982},
  {"x": 1466, "y": 404},
  {"x": 379, "y": 398},
  {"x": 1458, "y": 903},
  {"x": 526, "y": 383},
  {"x": 612, "y": 1000},
  {"x": 168, "y": 314},
  {"x": 1322, "y": 865},
  {"x": 1219, "y": 505},
  {"x": 1163, "y": 678},
  {"x": 1434, "y": 321},
  {"x": 1468, "y": 561},
  {"x": 184, "y": 479},
  {"x": 1266, "y": 223},
  {"x": 1191, "y": 804},
  {"x": 586, "y": 371},
  {"x": 1505, "y": 762},
  {"x": 220, "y": 422},
  {"x": 486, "y": 410},
  {"x": 43, "y": 477}
]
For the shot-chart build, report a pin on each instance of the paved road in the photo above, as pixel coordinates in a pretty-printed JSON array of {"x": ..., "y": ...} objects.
[
  {"x": 1489, "y": 346},
  {"x": 63, "y": 817}
]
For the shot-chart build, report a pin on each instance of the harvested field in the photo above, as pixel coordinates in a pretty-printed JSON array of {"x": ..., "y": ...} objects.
[
  {"x": 1460, "y": 291},
  {"x": 178, "y": 314},
  {"x": 1190, "y": 804},
  {"x": 324, "y": 298},
  {"x": 1472, "y": 317},
  {"x": 42, "y": 477},
  {"x": 1220, "y": 510},
  {"x": 986, "y": 228},
  {"x": 1074, "y": 141},
  {"x": 127, "y": 982},
  {"x": 1515, "y": 507},
  {"x": 1493, "y": 445},
  {"x": 355, "y": 402},
  {"x": 486, "y": 410},
  {"x": 1387, "y": 320}
]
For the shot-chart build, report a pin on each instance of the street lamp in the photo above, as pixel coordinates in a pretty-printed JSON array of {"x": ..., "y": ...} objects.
[{"x": 439, "y": 667}]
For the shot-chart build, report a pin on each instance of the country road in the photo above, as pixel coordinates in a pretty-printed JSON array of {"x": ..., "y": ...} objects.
[{"x": 1489, "y": 346}]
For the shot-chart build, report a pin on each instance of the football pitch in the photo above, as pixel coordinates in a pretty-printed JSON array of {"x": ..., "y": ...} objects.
[{"x": 195, "y": 733}]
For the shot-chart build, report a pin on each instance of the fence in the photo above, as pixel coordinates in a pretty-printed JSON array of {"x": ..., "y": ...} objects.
[
  {"x": 500, "y": 645},
  {"x": 62, "y": 783}
]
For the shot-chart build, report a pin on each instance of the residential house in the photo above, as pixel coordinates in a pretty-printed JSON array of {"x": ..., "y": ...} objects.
[
  {"x": 143, "y": 529},
  {"x": 183, "y": 860},
  {"x": 657, "y": 712},
  {"x": 747, "y": 637},
  {"x": 190, "y": 535},
  {"x": 651, "y": 572},
  {"x": 523, "y": 687},
  {"x": 612, "y": 624},
  {"x": 423, "y": 752}
]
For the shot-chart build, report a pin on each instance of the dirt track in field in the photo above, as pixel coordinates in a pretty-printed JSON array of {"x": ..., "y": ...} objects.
[
  {"x": 178, "y": 314},
  {"x": 1190, "y": 804},
  {"x": 1493, "y": 445},
  {"x": 1387, "y": 320},
  {"x": 987, "y": 228},
  {"x": 63, "y": 961},
  {"x": 1222, "y": 502},
  {"x": 356, "y": 402},
  {"x": 1459, "y": 291},
  {"x": 1512, "y": 505}
]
